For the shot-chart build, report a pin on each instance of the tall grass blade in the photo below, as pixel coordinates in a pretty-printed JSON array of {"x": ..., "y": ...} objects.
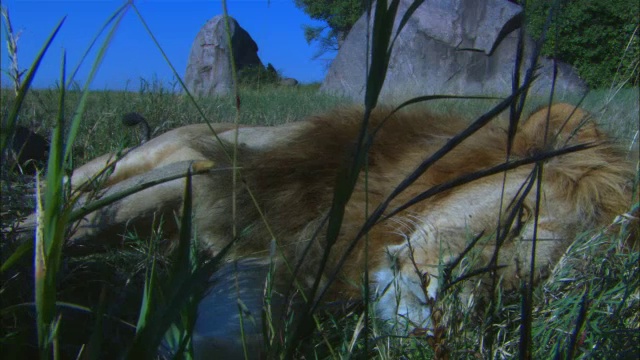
[
  {"x": 425, "y": 98},
  {"x": 95, "y": 344},
  {"x": 572, "y": 347},
  {"x": 166, "y": 59},
  {"x": 526, "y": 341},
  {"x": 405, "y": 19},
  {"x": 148, "y": 292},
  {"x": 54, "y": 218},
  {"x": 186, "y": 290},
  {"x": 234, "y": 159},
  {"x": 75, "y": 122},
  {"x": 50, "y": 237},
  {"x": 9, "y": 126},
  {"x": 14, "y": 72},
  {"x": 186, "y": 263},
  {"x": 525, "y": 322},
  {"x": 204, "y": 118},
  {"x": 202, "y": 167},
  {"x": 43, "y": 318},
  {"x": 180, "y": 294},
  {"x": 149, "y": 333},
  {"x": 182, "y": 84},
  {"x": 17, "y": 254},
  {"x": 104, "y": 26},
  {"x": 407, "y": 181}
]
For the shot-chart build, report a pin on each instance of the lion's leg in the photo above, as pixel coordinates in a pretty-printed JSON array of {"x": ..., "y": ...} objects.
[
  {"x": 134, "y": 163},
  {"x": 173, "y": 146},
  {"x": 221, "y": 322},
  {"x": 139, "y": 209},
  {"x": 180, "y": 144}
]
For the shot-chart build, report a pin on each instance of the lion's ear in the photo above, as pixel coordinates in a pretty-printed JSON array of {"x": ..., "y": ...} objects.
[{"x": 563, "y": 123}]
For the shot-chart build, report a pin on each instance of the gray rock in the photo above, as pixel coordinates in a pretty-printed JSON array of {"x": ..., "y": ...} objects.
[
  {"x": 28, "y": 151},
  {"x": 461, "y": 47},
  {"x": 209, "y": 69},
  {"x": 289, "y": 82}
]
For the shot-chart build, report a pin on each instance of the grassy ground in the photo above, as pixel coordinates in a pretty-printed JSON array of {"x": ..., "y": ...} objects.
[
  {"x": 102, "y": 130},
  {"x": 115, "y": 278}
]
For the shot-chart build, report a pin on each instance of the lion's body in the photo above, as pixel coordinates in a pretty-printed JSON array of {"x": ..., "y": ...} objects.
[{"x": 291, "y": 171}]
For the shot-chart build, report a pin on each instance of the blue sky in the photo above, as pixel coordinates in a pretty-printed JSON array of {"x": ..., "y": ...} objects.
[{"x": 275, "y": 25}]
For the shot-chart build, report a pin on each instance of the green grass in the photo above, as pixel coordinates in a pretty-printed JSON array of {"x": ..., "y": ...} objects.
[
  {"x": 165, "y": 110},
  {"x": 616, "y": 111}
]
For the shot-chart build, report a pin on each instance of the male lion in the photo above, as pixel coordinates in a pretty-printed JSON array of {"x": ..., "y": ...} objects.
[{"x": 285, "y": 188}]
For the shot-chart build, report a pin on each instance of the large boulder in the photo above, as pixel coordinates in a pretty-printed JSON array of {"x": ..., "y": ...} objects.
[
  {"x": 27, "y": 151},
  {"x": 209, "y": 68},
  {"x": 288, "y": 82},
  {"x": 461, "y": 47}
]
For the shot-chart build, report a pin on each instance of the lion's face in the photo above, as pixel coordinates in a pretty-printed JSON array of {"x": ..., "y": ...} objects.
[
  {"x": 408, "y": 282},
  {"x": 496, "y": 221}
]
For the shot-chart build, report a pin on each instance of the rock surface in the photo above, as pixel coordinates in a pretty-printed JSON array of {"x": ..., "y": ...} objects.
[
  {"x": 461, "y": 47},
  {"x": 209, "y": 69},
  {"x": 288, "y": 82},
  {"x": 28, "y": 151}
]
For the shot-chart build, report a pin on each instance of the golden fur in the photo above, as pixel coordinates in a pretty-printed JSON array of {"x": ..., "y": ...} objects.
[{"x": 291, "y": 171}]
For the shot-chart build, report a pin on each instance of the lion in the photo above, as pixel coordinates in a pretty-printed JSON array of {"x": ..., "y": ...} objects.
[{"x": 275, "y": 212}]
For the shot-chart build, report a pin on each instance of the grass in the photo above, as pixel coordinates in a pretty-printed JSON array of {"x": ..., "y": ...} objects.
[
  {"x": 165, "y": 109},
  {"x": 617, "y": 110},
  {"x": 94, "y": 304}
]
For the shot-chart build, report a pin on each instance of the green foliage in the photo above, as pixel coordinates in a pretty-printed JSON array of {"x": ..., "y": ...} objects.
[
  {"x": 599, "y": 38},
  {"x": 340, "y": 15}
]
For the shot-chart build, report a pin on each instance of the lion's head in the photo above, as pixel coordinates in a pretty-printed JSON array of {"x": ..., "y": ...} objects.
[{"x": 496, "y": 221}]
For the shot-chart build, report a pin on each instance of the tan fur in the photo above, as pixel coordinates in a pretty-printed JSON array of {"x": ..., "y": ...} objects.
[{"x": 291, "y": 171}]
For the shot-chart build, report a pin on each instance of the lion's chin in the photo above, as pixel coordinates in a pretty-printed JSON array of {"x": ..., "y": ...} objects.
[{"x": 402, "y": 303}]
